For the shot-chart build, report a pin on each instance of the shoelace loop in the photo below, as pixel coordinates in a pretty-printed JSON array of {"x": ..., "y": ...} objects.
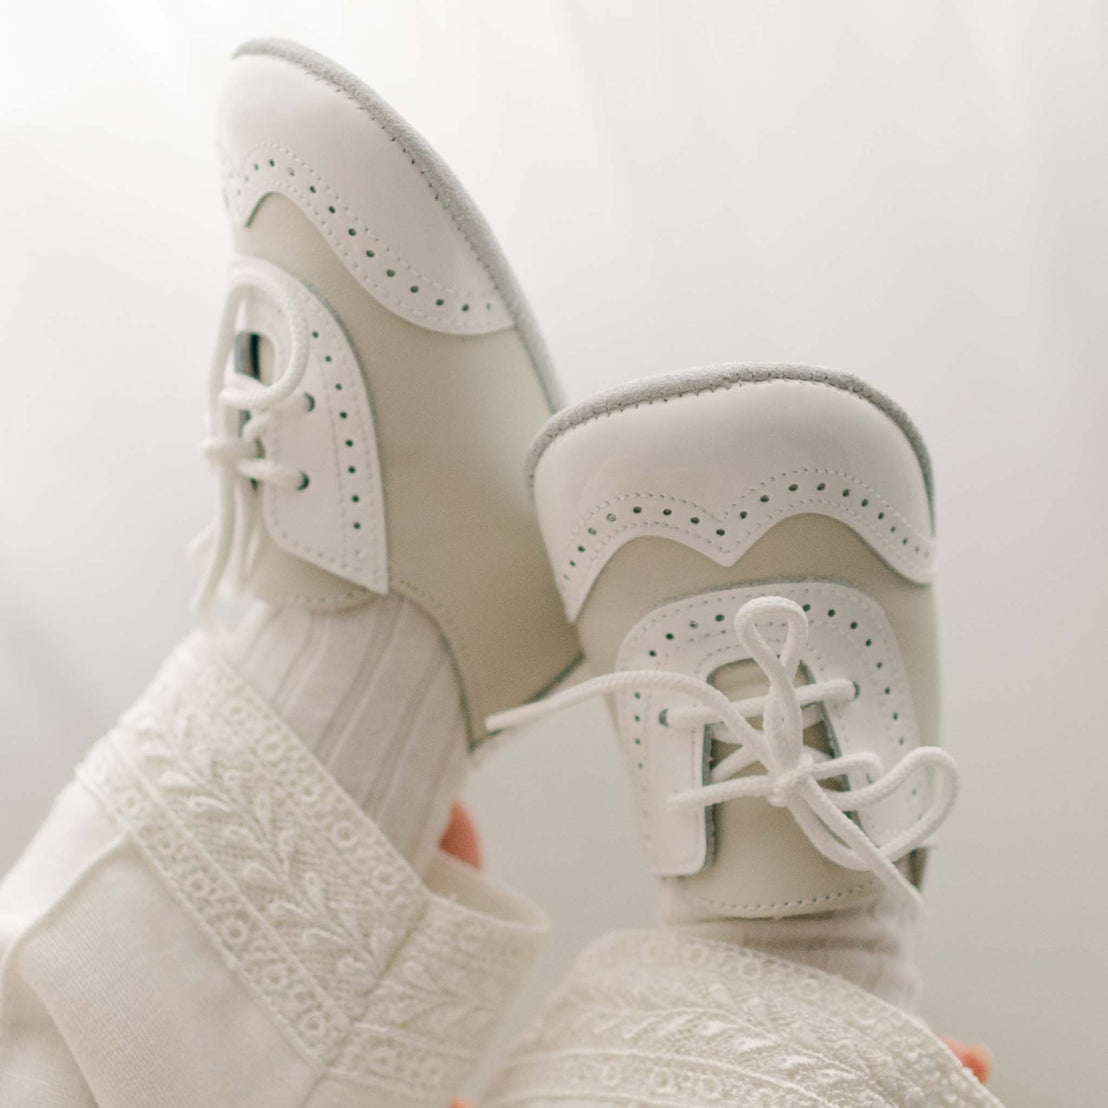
[
  {"x": 233, "y": 445},
  {"x": 793, "y": 772}
]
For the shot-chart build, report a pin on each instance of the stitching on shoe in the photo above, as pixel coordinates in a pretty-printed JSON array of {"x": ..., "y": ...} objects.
[
  {"x": 709, "y": 379},
  {"x": 584, "y": 569},
  {"x": 281, "y": 185},
  {"x": 330, "y": 84},
  {"x": 709, "y": 902}
]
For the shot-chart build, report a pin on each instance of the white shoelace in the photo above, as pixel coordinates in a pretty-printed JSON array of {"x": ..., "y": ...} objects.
[
  {"x": 234, "y": 450},
  {"x": 793, "y": 771}
]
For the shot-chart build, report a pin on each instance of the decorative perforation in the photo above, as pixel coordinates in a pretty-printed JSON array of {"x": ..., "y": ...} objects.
[
  {"x": 336, "y": 518},
  {"x": 381, "y": 270},
  {"x": 849, "y": 637},
  {"x": 358, "y": 505},
  {"x": 726, "y": 535}
]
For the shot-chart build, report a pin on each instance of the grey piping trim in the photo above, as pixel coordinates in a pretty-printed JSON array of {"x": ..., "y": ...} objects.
[
  {"x": 688, "y": 382},
  {"x": 448, "y": 189}
]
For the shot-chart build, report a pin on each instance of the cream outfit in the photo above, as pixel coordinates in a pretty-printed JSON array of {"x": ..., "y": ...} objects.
[
  {"x": 207, "y": 918},
  {"x": 666, "y": 1018}
]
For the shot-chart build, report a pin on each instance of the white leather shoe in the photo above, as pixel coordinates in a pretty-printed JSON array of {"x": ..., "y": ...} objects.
[
  {"x": 747, "y": 553},
  {"x": 371, "y": 427},
  {"x": 214, "y": 912}
]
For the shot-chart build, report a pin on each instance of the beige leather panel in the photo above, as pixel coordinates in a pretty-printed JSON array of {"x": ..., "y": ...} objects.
[
  {"x": 454, "y": 418},
  {"x": 764, "y": 865},
  {"x": 650, "y": 572}
]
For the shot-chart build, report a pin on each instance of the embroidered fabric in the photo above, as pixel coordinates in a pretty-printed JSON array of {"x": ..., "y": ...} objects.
[
  {"x": 666, "y": 1019},
  {"x": 372, "y": 975}
]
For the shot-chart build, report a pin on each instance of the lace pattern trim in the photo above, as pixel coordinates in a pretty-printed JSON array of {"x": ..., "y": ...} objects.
[
  {"x": 375, "y": 978},
  {"x": 665, "y": 1019}
]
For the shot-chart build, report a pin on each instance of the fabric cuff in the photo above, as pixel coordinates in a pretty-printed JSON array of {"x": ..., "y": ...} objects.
[{"x": 372, "y": 974}]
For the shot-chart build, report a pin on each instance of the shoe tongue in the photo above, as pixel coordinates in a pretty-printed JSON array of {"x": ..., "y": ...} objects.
[
  {"x": 742, "y": 680},
  {"x": 255, "y": 354}
]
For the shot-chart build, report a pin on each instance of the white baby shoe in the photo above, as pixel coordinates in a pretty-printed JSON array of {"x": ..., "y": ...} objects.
[
  {"x": 387, "y": 377},
  {"x": 375, "y": 388},
  {"x": 740, "y": 545},
  {"x": 747, "y": 553}
]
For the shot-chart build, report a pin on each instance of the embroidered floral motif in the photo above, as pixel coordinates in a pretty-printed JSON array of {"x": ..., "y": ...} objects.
[
  {"x": 373, "y": 976},
  {"x": 668, "y": 1020}
]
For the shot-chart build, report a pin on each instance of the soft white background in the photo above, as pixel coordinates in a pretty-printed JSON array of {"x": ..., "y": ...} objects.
[{"x": 914, "y": 192}]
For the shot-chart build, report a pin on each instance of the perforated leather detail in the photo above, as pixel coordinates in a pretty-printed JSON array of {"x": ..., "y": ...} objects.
[
  {"x": 337, "y": 520},
  {"x": 849, "y": 637},
  {"x": 368, "y": 972},
  {"x": 714, "y": 469},
  {"x": 724, "y": 536},
  {"x": 452, "y": 417},
  {"x": 383, "y": 272}
]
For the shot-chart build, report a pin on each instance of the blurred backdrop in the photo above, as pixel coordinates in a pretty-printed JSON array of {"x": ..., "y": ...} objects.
[{"x": 912, "y": 192}]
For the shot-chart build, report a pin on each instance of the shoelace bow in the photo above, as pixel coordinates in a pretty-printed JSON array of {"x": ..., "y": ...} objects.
[
  {"x": 792, "y": 771},
  {"x": 233, "y": 445}
]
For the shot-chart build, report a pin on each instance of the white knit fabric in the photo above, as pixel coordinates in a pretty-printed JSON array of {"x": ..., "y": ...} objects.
[
  {"x": 670, "y": 1020},
  {"x": 372, "y": 692},
  {"x": 208, "y": 918}
]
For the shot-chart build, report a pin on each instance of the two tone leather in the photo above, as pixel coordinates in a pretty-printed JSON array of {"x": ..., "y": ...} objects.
[
  {"x": 729, "y": 465},
  {"x": 715, "y": 467},
  {"x": 356, "y": 180},
  {"x": 428, "y": 376}
]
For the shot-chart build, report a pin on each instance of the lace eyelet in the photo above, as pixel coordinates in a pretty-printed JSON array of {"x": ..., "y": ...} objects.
[
  {"x": 303, "y": 482},
  {"x": 309, "y": 402}
]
